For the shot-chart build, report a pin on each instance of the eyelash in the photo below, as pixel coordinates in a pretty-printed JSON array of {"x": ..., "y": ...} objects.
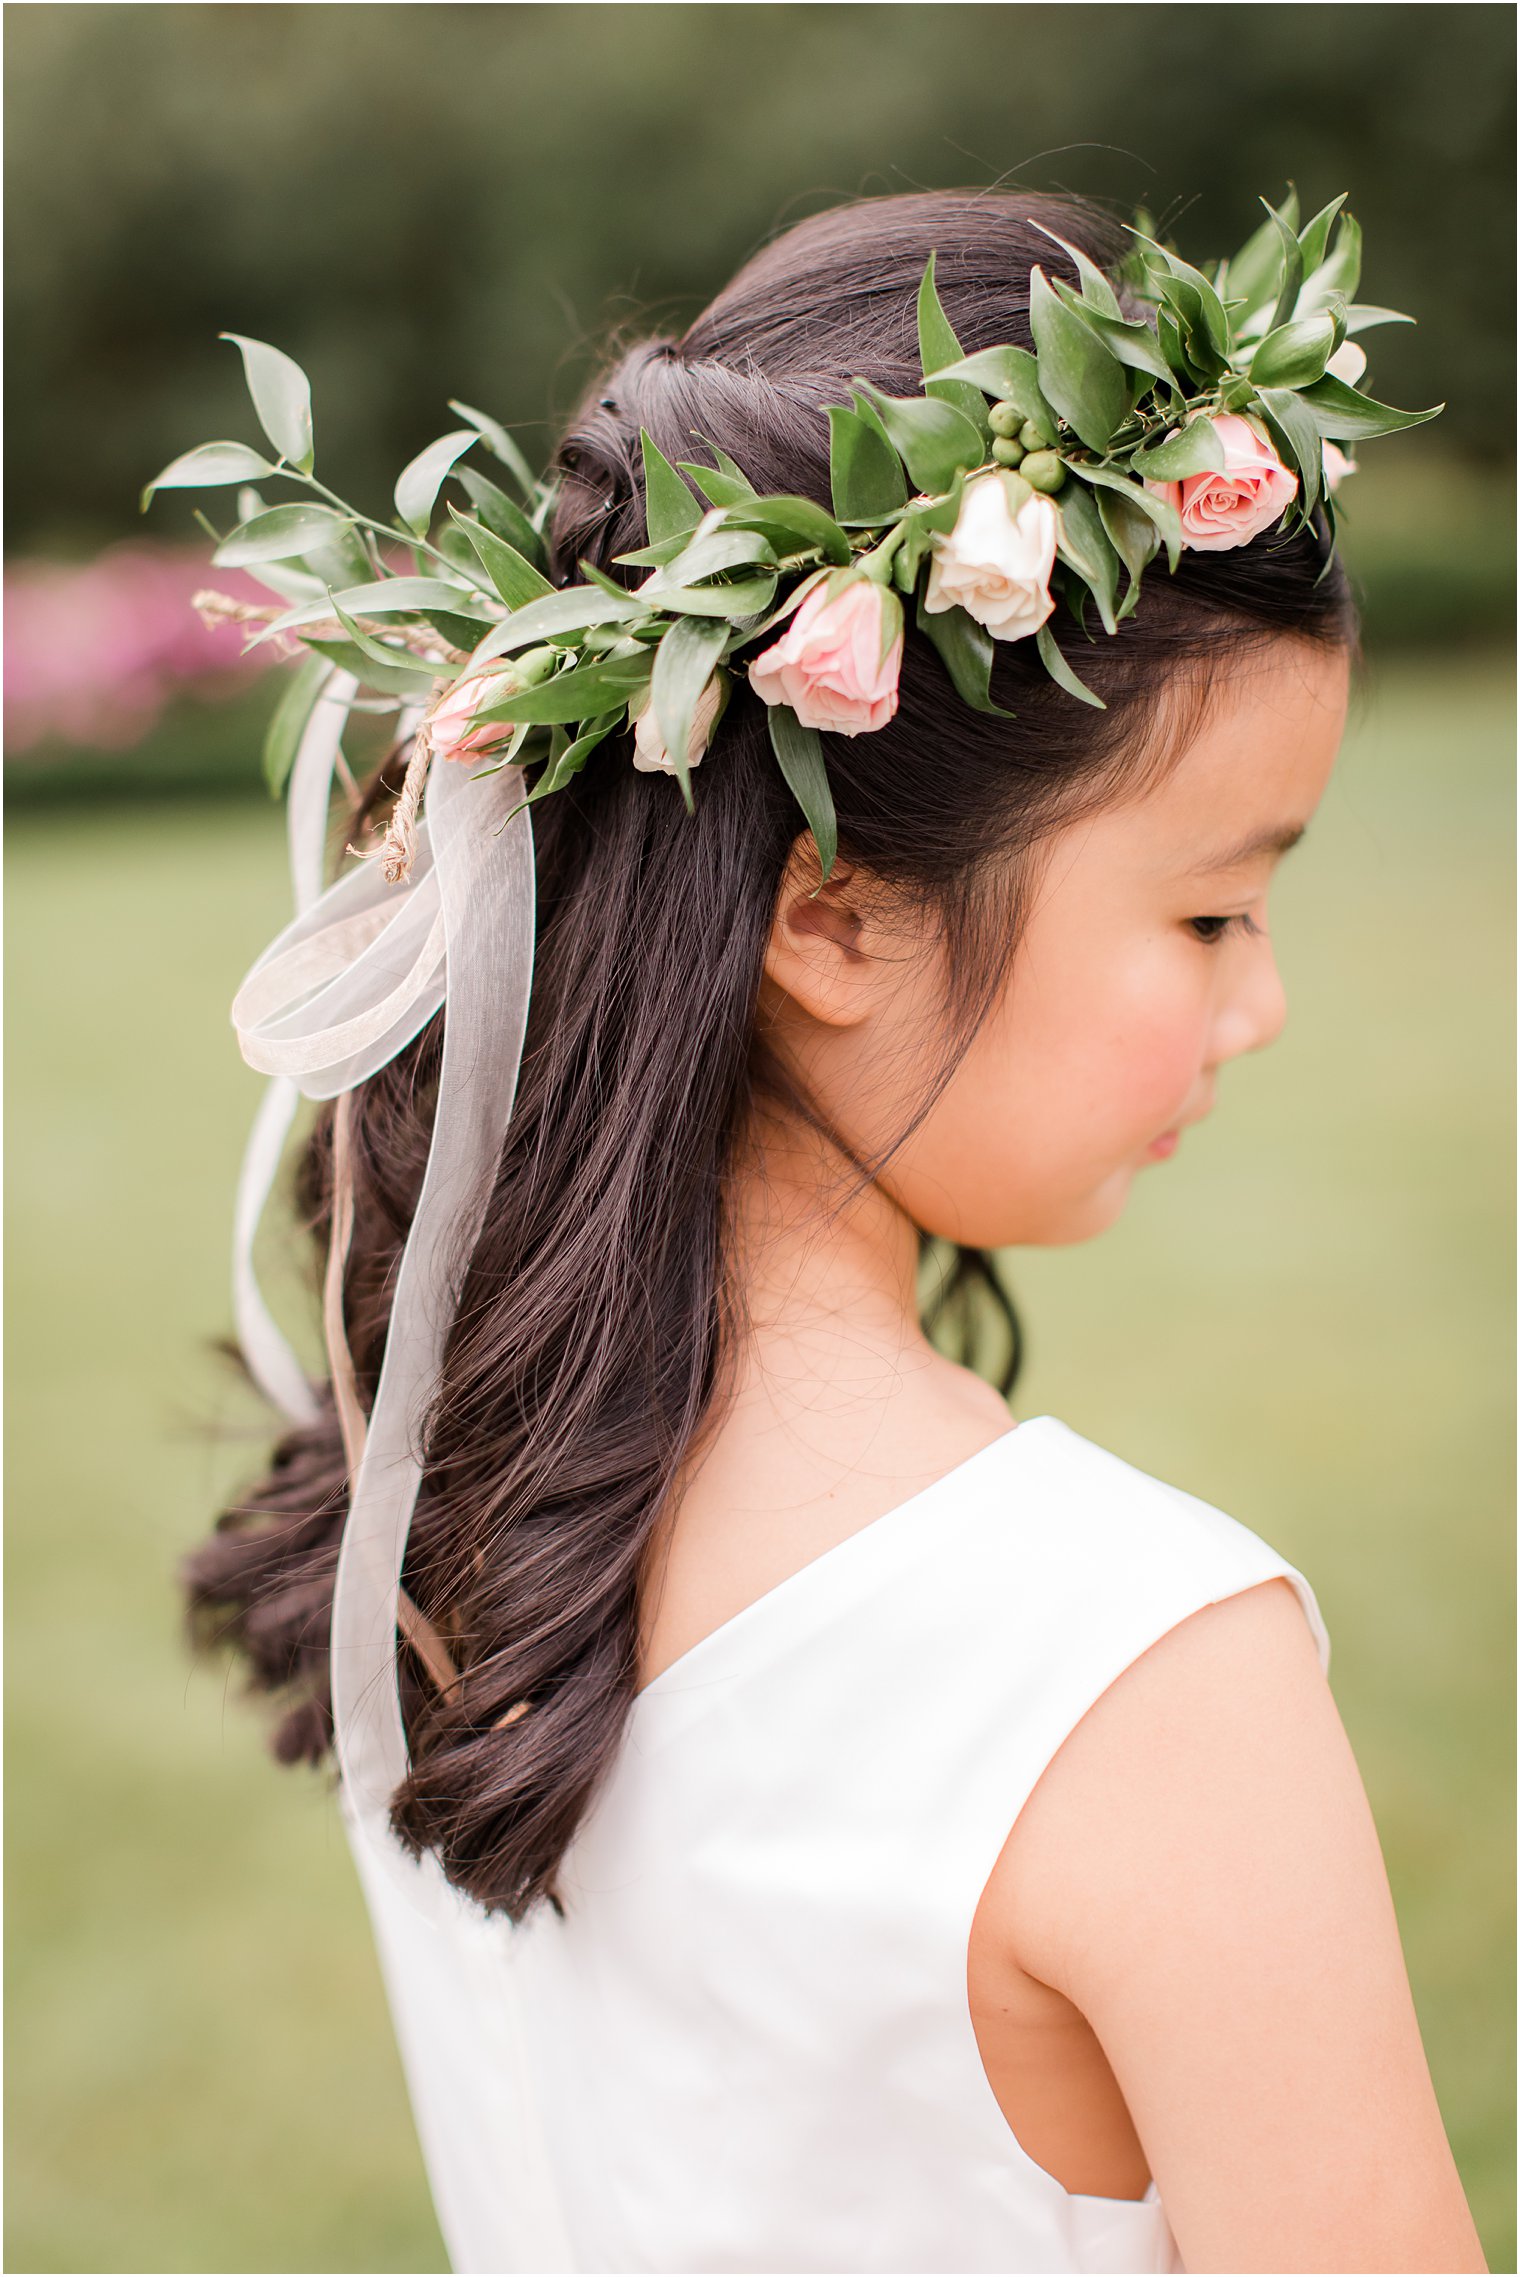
[{"x": 1242, "y": 919}]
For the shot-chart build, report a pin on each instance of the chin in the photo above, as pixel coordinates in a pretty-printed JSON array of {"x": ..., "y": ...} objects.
[{"x": 1081, "y": 1217}]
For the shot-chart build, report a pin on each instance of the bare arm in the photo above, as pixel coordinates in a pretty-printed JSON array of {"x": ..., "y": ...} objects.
[{"x": 1198, "y": 1871}]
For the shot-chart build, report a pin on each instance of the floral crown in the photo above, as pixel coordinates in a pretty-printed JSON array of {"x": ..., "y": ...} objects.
[
  {"x": 1194, "y": 411},
  {"x": 1201, "y": 410}
]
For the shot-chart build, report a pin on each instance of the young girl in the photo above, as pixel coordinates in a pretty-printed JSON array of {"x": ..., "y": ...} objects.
[{"x": 896, "y": 1837}]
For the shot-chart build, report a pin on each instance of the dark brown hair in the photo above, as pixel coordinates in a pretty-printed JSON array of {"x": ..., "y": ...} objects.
[{"x": 596, "y": 1325}]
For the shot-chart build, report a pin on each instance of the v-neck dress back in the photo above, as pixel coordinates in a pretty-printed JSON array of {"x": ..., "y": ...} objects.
[{"x": 747, "y": 2044}]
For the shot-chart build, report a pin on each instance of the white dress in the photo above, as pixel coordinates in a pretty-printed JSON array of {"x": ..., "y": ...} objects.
[{"x": 747, "y": 2046}]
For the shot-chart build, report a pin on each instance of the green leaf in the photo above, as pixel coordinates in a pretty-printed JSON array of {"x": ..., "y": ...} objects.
[
  {"x": 418, "y": 485},
  {"x": 206, "y": 466},
  {"x": 1198, "y": 294},
  {"x": 1097, "y": 292},
  {"x": 599, "y": 578},
  {"x": 656, "y": 556},
  {"x": 1362, "y": 316},
  {"x": 568, "y": 609},
  {"x": 1297, "y": 438},
  {"x": 281, "y": 395},
  {"x": 390, "y": 680},
  {"x": 1135, "y": 345},
  {"x": 1169, "y": 333},
  {"x": 457, "y": 551},
  {"x": 965, "y": 648},
  {"x": 298, "y": 700},
  {"x": 573, "y": 758},
  {"x": 459, "y": 632},
  {"x": 1078, "y": 373},
  {"x": 1084, "y": 546},
  {"x": 516, "y": 580},
  {"x": 1255, "y": 274},
  {"x": 1131, "y": 532},
  {"x": 865, "y": 473},
  {"x": 340, "y": 559},
  {"x": 721, "y": 459},
  {"x": 684, "y": 662},
  {"x": 583, "y": 693},
  {"x": 1194, "y": 449},
  {"x": 744, "y": 597},
  {"x": 708, "y": 553},
  {"x": 799, "y": 754},
  {"x": 1252, "y": 275},
  {"x": 934, "y": 440},
  {"x": 669, "y": 506},
  {"x": 1061, "y": 672},
  {"x": 496, "y": 439},
  {"x": 1342, "y": 272},
  {"x": 938, "y": 345},
  {"x": 1292, "y": 277},
  {"x": 394, "y": 659},
  {"x": 283, "y": 533},
  {"x": 717, "y": 487},
  {"x": 1295, "y": 354},
  {"x": 1159, "y": 511},
  {"x": 796, "y": 520},
  {"x": 1315, "y": 234},
  {"x": 1009, "y": 375},
  {"x": 502, "y": 516},
  {"x": 384, "y": 597},
  {"x": 1345, "y": 416}
]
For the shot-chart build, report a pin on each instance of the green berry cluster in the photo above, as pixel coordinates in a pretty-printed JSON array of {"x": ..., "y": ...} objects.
[{"x": 1027, "y": 445}]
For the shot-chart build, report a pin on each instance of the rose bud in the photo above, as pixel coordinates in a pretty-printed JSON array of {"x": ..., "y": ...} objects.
[
  {"x": 837, "y": 665},
  {"x": 649, "y": 752}
]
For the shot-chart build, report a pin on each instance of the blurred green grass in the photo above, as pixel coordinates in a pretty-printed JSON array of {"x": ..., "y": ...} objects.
[{"x": 1305, "y": 1316}]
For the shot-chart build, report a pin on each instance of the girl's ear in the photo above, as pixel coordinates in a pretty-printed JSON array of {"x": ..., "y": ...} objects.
[{"x": 819, "y": 955}]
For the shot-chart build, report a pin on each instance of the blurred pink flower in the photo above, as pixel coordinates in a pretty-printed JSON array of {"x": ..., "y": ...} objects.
[{"x": 95, "y": 650}]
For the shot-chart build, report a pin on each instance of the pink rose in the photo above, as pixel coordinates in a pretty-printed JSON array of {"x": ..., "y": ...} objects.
[
  {"x": 1229, "y": 509},
  {"x": 1337, "y": 466},
  {"x": 450, "y": 725},
  {"x": 838, "y": 662}
]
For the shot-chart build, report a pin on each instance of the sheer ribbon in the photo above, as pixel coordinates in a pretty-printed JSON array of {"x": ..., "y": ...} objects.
[{"x": 353, "y": 978}]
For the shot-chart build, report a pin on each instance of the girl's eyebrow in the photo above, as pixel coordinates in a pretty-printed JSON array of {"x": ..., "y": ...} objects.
[{"x": 1271, "y": 841}]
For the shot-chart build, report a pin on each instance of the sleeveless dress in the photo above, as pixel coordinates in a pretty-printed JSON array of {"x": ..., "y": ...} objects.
[{"x": 747, "y": 2045}]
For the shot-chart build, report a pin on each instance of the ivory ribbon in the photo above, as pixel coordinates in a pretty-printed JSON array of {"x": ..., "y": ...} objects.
[
  {"x": 353, "y": 978},
  {"x": 485, "y": 878},
  {"x": 271, "y": 1362}
]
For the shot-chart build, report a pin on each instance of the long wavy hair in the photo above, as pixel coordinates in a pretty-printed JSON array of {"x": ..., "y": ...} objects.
[{"x": 598, "y": 1324}]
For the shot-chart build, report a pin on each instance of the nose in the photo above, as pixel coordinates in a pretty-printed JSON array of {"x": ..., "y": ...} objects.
[{"x": 1255, "y": 1011}]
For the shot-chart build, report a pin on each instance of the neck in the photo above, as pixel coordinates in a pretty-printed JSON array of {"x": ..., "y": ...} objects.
[{"x": 824, "y": 1282}]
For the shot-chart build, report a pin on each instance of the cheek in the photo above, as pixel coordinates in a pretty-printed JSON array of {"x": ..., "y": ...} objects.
[{"x": 1045, "y": 1121}]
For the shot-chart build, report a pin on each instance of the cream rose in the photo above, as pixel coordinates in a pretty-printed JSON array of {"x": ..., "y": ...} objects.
[
  {"x": 996, "y": 564},
  {"x": 1220, "y": 510},
  {"x": 837, "y": 665},
  {"x": 649, "y": 752}
]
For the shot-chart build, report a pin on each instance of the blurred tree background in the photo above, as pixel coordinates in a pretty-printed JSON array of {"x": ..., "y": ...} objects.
[{"x": 425, "y": 201}]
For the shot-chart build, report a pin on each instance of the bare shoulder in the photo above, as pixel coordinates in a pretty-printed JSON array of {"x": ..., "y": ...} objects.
[
  {"x": 1233, "y": 1696},
  {"x": 1198, "y": 1871}
]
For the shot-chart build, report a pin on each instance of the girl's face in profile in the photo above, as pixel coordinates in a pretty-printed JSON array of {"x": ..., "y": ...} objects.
[{"x": 1145, "y": 967}]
